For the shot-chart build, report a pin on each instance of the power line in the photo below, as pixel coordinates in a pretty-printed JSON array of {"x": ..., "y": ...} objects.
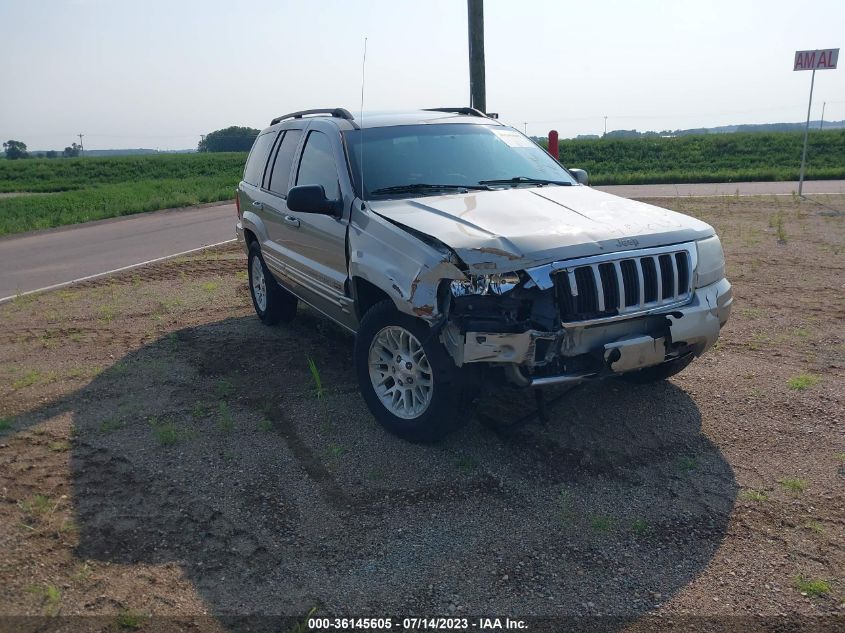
[
  {"x": 529, "y": 122},
  {"x": 671, "y": 116},
  {"x": 90, "y": 135}
]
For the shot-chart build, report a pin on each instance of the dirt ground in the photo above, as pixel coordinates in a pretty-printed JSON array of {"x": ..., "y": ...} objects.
[{"x": 162, "y": 453}]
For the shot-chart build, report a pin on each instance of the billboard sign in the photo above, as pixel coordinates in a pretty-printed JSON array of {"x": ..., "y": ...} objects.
[{"x": 821, "y": 59}]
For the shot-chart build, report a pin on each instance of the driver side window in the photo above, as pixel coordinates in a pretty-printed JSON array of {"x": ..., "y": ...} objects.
[{"x": 317, "y": 166}]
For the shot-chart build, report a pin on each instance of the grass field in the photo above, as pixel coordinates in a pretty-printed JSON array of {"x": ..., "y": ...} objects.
[
  {"x": 707, "y": 158},
  {"x": 69, "y": 191}
]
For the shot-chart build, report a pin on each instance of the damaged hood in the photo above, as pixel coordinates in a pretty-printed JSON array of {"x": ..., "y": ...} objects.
[{"x": 511, "y": 229}]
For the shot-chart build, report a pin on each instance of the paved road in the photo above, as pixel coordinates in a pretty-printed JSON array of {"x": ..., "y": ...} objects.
[
  {"x": 724, "y": 189},
  {"x": 48, "y": 259},
  {"x": 51, "y": 258}
]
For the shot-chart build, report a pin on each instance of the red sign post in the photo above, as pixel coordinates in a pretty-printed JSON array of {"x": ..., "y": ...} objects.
[
  {"x": 553, "y": 145},
  {"x": 821, "y": 59}
]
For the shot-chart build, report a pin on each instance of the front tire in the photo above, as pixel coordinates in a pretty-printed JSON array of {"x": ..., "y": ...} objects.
[
  {"x": 272, "y": 303},
  {"x": 407, "y": 378}
]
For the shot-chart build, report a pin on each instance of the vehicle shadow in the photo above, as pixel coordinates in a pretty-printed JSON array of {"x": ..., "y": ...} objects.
[{"x": 217, "y": 448}]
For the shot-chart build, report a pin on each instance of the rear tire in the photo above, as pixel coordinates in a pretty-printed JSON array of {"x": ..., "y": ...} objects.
[
  {"x": 659, "y": 372},
  {"x": 272, "y": 303},
  {"x": 407, "y": 378}
]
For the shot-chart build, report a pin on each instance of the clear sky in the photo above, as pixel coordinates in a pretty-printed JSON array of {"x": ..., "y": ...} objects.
[{"x": 157, "y": 73}]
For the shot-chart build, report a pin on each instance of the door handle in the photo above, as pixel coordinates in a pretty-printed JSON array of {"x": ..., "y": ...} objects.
[
  {"x": 289, "y": 219},
  {"x": 257, "y": 204}
]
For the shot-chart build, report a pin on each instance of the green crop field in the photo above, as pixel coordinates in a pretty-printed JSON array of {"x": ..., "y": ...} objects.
[
  {"x": 707, "y": 158},
  {"x": 67, "y": 191}
]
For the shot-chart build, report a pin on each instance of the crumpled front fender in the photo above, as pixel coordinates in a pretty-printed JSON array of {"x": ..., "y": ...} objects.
[{"x": 401, "y": 264}]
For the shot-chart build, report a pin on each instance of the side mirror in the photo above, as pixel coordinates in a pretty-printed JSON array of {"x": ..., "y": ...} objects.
[
  {"x": 580, "y": 175},
  {"x": 311, "y": 199}
]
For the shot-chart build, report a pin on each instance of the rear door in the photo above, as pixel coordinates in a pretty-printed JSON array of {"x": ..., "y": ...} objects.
[
  {"x": 273, "y": 198},
  {"x": 250, "y": 192}
]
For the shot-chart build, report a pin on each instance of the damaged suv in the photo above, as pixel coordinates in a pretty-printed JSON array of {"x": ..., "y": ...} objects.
[{"x": 458, "y": 250}]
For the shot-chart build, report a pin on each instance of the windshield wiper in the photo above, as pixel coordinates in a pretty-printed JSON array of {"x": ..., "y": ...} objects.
[
  {"x": 420, "y": 186},
  {"x": 519, "y": 180}
]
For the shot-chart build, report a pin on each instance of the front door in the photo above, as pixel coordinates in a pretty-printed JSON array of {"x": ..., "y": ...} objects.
[
  {"x": 316, "y": 244},
  {"x": 312, "y": 247}
]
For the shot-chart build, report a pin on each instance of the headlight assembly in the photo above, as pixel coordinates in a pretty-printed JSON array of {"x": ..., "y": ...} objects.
[
  {"x": 711, "y": 262},
  {"x": 484, "y": 284}
]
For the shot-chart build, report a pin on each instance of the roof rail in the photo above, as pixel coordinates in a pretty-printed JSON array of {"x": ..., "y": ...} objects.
[
  {"x": 338, "y": 113},
  {"x": 464, "y": 110}
]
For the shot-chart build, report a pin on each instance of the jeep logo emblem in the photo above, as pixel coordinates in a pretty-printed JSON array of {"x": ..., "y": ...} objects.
[{"x": 628, "y": 241}]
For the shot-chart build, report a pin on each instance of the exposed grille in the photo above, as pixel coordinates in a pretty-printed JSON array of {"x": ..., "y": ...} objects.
[{"x": 631, "y": 284}]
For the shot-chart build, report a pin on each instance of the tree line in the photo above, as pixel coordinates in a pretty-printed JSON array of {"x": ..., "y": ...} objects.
[
  {"x": 231, "y": 139},
  {"x": 15, "y": 150}
]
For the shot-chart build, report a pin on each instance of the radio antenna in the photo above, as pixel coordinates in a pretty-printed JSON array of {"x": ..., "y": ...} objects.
[{"x": 363, "y": 77}]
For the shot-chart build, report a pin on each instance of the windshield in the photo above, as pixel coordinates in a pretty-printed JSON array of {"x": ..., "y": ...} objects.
[{"x": 457, "y": 154}]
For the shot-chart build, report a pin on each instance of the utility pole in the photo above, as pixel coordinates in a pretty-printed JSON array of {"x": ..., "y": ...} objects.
[
  {"x": 80, "y": 143},
  {"x": 605, "y": 126},
  {"x": 525, "y": 127},
  {"x": 821, "y": 123},
  {"x": 477, "y": 86},
  {"x": 202, "y": 140}
]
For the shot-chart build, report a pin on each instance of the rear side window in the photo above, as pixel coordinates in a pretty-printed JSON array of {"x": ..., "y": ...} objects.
[
  {"x": 254, "y": 171},
  {"x": 317, "y": 166},
  {"x": 280, "y": 178}
]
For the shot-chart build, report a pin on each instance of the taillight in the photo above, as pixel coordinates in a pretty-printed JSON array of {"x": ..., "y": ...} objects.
[{"x": 238, "y": 203}]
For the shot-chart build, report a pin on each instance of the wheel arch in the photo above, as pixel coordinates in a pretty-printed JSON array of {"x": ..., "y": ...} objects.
[
  {"x": 249, "y": 237},
  {"x": 254, "y": 225},
  {"x": 366, "y": 295}
]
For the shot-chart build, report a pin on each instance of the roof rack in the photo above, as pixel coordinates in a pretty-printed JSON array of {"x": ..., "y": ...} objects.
[
  {"x": 464, "y": 110},
  {"x": 338, "y": 113}
]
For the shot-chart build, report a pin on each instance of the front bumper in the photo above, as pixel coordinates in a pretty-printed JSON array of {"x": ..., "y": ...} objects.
[{"x": 641, "y": 342}]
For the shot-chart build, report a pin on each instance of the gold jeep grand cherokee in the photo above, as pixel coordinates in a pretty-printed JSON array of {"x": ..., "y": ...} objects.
[{"x": 453, "y": 246}]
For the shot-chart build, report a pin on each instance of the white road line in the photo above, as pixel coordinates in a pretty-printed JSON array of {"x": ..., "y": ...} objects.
[{"x": 114, "y": 270}]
